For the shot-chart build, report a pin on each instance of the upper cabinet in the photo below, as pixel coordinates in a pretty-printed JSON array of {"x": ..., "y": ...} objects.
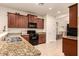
[
  {"x": 31, "y": 18},
  {"x": 22, "y": 21},
  {"x": 17, "y": 21},
  {"x": 73, "y": 13},
  {"x": 35, "y": 19},
  {"x": 11, "y": 20},
  {"x": 40, "y": 23}
]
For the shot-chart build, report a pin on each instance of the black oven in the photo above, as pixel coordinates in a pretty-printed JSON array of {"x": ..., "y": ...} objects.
[{"x": 33, "y": 37}]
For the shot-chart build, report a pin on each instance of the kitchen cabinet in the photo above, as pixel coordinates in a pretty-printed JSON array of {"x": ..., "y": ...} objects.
[
  {"x": 42, "y": 38},
  {"x": 17, "y": 21},
  {"x": 73, "y": 16},
  {"x": 35, "y": 19},
  {"x": 69, "y": 46},
  {"x": 11, "y": 20},
  {"x": 40, "y": 23},
  {"x": 31, "y": 18},
  {"x": 26, "y": 37},
  {"x": 22, "y": 21}
]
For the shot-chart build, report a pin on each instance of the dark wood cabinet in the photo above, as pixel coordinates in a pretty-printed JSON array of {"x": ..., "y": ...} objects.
[
  {"x": 26, "y": 37},
  {"x": 40, "y": 23},
  {"x": 69, "y": 43},
  {"x": 31, "y": 18},
  {"x": 73, "y": 15},
  {"x": 35, "y": 19},
  {"x": 42, "y": 38},
  {"x": 17, "y": 21},
  {"x": 22, "y": 21},
  {"x": 11, "y": 20},
  {"x": 70, "y": 47}
]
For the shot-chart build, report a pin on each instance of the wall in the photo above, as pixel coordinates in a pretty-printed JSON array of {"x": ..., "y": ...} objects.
[
  {"x": 50, "y": 28},
  {"x": 62, "y": 21},
  {"x": 4, "y": 20},
  {"x": 78, "y": 29}
]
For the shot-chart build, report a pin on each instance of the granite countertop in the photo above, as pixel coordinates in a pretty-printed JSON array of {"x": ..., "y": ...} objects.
[
  {"x": 21, "y": 48},
  {"x": 70, "y": 37}
]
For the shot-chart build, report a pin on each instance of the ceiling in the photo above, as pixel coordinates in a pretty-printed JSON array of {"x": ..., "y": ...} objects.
[{"x": 57, "y": 8}]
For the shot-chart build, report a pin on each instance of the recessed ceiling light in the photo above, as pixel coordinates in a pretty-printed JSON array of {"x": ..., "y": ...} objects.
[
  {"x": 50, "y": 8},
  {"x": 36, "y": 3},
  {"x": 58, "y": 12}
]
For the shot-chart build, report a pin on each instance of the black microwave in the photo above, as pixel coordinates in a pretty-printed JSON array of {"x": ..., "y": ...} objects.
[{"x": 32, "y": 25}]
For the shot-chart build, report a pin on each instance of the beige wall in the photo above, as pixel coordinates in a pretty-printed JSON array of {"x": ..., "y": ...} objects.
[
  {"x": 50, "y": 28},
  {"x": 4, "y": 20},
  {"x": 62, "y": 20},
  {"x": 78, "y": 29}
]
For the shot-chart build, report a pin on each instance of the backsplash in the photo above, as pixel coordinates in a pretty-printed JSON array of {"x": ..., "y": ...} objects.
[{"x": 23, "y": 30}]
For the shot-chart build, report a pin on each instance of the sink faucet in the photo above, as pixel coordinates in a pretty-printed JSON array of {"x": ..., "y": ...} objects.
[{"x": 4, "y": 29}]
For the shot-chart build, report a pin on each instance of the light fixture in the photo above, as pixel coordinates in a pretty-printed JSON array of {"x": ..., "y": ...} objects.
[
  {"x": 58, "y": 12},
  {"x": 50, "y": 8}
]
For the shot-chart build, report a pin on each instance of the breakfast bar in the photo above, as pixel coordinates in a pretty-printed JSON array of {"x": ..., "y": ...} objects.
[
  {"x": 70, "y": 45},
  {"x": 18, "y": 48}
]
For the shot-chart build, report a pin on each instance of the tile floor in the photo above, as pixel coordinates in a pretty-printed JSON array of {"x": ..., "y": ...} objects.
[{"x": 51, "y": 49}]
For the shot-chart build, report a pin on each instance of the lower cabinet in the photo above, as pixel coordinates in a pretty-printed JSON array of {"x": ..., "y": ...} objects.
[
  {"x": 69, "y": 47},
  {"x": 26, "y": 37},
  {"x": 42, "y": 38}
]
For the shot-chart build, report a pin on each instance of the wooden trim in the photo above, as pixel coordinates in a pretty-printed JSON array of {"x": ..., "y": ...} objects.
[
  {"x": 16, "y": 14},
  {"x": 73, "y": 5}
]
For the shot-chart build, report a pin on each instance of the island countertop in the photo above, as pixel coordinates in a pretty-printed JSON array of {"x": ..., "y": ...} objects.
[
  {"x": 70, "y": 37},
  {"x": 21, "y": 48}
]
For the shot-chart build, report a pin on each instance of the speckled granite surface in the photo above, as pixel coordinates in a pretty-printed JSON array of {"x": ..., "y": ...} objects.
[{"x": 18, "y": 49}]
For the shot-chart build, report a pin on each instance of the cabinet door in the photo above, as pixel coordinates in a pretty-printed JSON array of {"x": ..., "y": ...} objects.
[
  {"x": 11, "y": 20},
  {"x": 40, "y": 23},
  {"x": 17, "y": 21},
  {"x": 70, "y": 47},
  {"x": 73, "y": 16},
  {"x": 25, "y": 22},
  {"x": 21, "y": 21},
  {"x": 42, "y": 38},
  {"x": 26, "y": 37},
  {"x": 31, "y": 18}
]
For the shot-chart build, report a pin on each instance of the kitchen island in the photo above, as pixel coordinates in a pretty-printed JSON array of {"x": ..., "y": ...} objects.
[
  {"x": 69, "y": 45},
  {"x": 19, "y": 48}
]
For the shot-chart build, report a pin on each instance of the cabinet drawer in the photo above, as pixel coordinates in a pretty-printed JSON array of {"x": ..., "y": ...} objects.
[{"x": 26, "y": 37}]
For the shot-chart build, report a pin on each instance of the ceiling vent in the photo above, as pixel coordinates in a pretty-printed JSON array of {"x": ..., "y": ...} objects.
[{"x": 41, "y": 4}]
